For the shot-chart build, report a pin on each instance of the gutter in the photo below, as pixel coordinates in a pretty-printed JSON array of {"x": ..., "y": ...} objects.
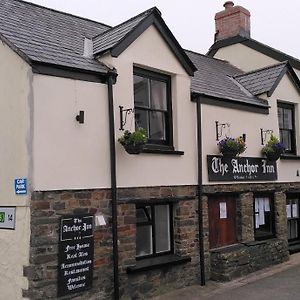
[
  {"x": 200, "y": 191},
  {"x": 111, "y": 80}
]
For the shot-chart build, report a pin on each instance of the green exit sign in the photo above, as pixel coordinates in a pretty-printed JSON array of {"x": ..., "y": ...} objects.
[{"x": 2, "y": 217}]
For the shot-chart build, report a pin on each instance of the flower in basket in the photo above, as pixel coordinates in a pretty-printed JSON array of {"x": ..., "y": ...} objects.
[
  {"x": 273, "y": 149},
  {"x": 232, "y": 147},
  {"x": 133, "y": 142}
]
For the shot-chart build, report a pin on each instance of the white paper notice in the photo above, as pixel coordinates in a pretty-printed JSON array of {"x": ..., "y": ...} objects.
[
  {"x": 256, "y": 206},
  {"x": 256, "y": 221},
  {"x": 295, "y": 210},
  {"x": 223, "y": 210},
  {"x": 267, "y": 204},
  {"x": 288, "y": 211},
  {"x": 261, "y": 211}
]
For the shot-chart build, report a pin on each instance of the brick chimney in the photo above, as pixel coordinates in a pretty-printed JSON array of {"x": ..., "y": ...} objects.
[{"x": 232, "y": 21}]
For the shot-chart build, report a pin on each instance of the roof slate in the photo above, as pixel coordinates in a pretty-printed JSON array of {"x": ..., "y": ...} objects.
[
  {"x": 214, "y": 78},
  {"x": 48, "y": 36},
  {"x": 263, "y": 80},
  {"x": 113, "y": 36}
]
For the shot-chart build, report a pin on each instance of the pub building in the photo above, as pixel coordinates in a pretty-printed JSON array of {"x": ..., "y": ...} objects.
[{"x": 83, "y": 216}]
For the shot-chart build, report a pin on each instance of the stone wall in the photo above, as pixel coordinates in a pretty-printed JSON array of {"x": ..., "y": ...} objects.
[
  {"x": 48, "y": 207},
  {"x": 46, "y": 211},
  {"x": 238, "y": 260},
  {"x": 148, "y": 283},
  {"x": 249, "y": 255}
]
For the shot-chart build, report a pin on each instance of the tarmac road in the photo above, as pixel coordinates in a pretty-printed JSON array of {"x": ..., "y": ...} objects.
[{"x": 280, "y": 282}]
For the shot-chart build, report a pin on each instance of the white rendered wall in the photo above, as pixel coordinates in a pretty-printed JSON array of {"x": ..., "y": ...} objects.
[
  {"x": 69, "y": 155},
  {"x": 151, "y": 52},
  {"x": 15, "y": 100},
  {"x": 242, "y": 122}
]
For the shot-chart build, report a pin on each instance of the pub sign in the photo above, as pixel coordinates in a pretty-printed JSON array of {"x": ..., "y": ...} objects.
[
  {"x": 240, "y": 169},
  {"x": 76, "y": 254}
]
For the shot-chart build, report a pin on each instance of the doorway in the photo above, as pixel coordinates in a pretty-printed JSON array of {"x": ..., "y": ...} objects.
[{"x": 222, "y": 221}]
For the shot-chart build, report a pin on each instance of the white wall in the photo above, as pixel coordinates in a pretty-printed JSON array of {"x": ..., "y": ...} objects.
[
  {"x": 244, "y": 58},
  {"x": 150, "y": 51},
  {"x": 250, "y": 123},
  {"x": 15, "y": 137},
  {"x": 69, "y": 155}
]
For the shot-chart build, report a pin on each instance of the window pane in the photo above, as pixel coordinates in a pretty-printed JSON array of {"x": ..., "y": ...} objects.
[
  {"x": 287, "y": 117},
  {"x": 144, "y": 240},
  {"x": 162, "y": 228},
  {"x": 141, "y": 91},
  {"x": 158, "y": 95},
  {"x": 280, "y": 117},
  {"x": 285, "y": 138},
  {"x": 157, "y": 126},
  {"x": 143, "y": 214},
  {"x": 142, "y": 120}
]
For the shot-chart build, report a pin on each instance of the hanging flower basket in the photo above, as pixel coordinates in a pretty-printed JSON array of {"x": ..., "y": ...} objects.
[
  {"x": 273, "y": 156},
  {"x": 133, "y": 142},
  {"x": 273, "y": 149},
  {"x": 134, "y": 149},
  {"x": 230, "y": 147}
]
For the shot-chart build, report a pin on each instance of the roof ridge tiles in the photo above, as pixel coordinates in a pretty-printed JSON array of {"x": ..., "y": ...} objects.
[
  {"x": 146, "y": 13},
  {"x": 27, "y": 2}
]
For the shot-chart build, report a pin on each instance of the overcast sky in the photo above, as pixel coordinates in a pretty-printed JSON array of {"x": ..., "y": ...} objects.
[{"x": 275, "y": 23}]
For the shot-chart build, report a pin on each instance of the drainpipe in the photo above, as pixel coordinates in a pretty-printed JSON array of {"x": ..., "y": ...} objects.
[
  {"x": 110, "y": 81},
  {"x": 199, "y": 189}
]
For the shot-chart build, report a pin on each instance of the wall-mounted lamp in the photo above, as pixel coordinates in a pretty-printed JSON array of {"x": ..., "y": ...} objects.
[
  {"x": 264, "y": 134},
  {"x": 220, "y": 128},
  {"x": 244, "y": 137},
  {"x": 80, "y": 117},
  {"x": 123, "y": 116},
  {"x": 99, "y": 220}
]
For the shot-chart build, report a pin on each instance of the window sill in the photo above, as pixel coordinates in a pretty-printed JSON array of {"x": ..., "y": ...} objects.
[
  {"x": 157, "y": 262},
  {"x": 161, "y": 150},
  {"x": 290, "y": 156}
]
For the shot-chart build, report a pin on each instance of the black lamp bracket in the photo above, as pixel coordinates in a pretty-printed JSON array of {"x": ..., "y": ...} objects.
[
  {"x": 264, "y": 134},
  {"x": 220, "y": 128},
  {"x": 123, "y": 116}
]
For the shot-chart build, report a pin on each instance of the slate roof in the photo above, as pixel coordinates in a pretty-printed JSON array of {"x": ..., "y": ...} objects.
[
  {"x": 49, "y": 36},
  {"x": 214, "y": 78},
  {"x": 113, "y": 36},
  {"x": 263, "y": 80}
]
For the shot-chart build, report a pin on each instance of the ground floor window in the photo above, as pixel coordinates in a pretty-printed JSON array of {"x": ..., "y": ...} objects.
[
  {"x": 154, "y": 230},
  {"x": 263, "y": 217},
  {"x": 292, "y": 211}
]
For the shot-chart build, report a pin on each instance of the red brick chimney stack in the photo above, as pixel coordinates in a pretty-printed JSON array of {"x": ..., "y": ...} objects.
[{"x": 233, "y": 21}]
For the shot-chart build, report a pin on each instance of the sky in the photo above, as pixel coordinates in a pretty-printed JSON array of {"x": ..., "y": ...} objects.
[{"x": 275, "y": 23}]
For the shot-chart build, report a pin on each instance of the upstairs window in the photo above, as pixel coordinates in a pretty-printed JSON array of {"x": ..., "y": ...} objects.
[
  {"x": 152, "y": 105},
  {"x": 287, "y": 126}
]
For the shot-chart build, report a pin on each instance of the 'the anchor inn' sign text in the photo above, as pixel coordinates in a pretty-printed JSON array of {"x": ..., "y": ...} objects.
[{"x": 240, "y": 169}]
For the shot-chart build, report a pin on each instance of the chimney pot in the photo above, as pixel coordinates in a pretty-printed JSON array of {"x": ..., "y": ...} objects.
[{"x": 228, "y": 4}]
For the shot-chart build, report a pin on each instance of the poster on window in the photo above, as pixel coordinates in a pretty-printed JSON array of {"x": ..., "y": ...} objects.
[
  {"x": 256, "y": 205},
  {"x": 295, "y": 211},
  {"x": 288, "y": 211},
  {"x": 261, "y": 211},
  {"x": 257, "y": 221},
  {"x": 223, "y": 210}
]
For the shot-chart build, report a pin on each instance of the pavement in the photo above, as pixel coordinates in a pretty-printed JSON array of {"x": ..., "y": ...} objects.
[{"x": 277, "y": 283}]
